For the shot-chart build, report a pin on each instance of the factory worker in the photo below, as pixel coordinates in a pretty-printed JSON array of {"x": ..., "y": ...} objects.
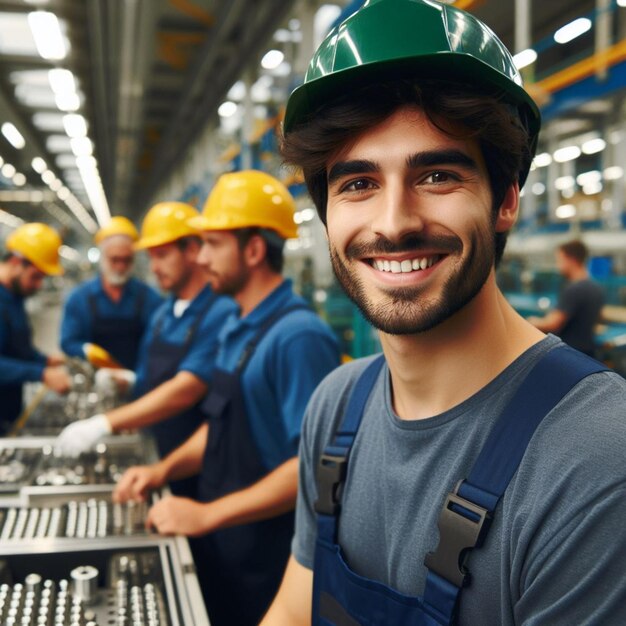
[
  {"x": 178, "y": 351},
  {"x": 105, "y": 318},
  {"x": 271, "y": 357},
  {"x": 32, "y": 253}
]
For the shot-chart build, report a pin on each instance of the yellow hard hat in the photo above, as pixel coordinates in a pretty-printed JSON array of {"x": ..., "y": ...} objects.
[
  {"x": 39, "y": 244},
  {"x": 249, "y": 198},
  {"x": 117, "y": 225},
  {"x": 166, "y": 222}
]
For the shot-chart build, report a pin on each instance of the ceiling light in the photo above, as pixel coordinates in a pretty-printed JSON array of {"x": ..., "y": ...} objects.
[
  {"x": 614, "y": 172},
  {"x": 538, "y": 189},
  {"x": 63, "y": 193},
  {"x": 227, "y": 109},
  {"x": 565, "y": 211},
  {"x": 1, "y": 161},
  {"x": 62, "y": 81},
  {"x": 75, "y": 125},
  {"x": 524, "y": 58},
  {"x": 39, "y": 165},
  {"x": 82, "y": 146},
  {"x": 272, "y": 59},
  {"x": 593, "y": 146},
  {"x": 35, "y": 97},
  {"x": 47, "y": 34},
  {"x": 572, "y": 30},
  {"x": 237, "y": 91},
  {"x": 594, "y": 176},
  {"x": 48, "y": 176},
  {"x": 19, "y": 179},
  {"x": 67, "y": 101},
  {"x": 48, "y": 122},
  {"x": 56, "y": 184},
  {"x": 16, "y": 38},
  {"x": 12, "y": 135},
  {"x": 568, "y": 153},
  {"x": 564, "y": 182},
  {"x": 542, "y": 160},
  {"x": 591, "y": 189},
  {"x": 8, "y": 170},
  {"x": 621, "y": 3}
]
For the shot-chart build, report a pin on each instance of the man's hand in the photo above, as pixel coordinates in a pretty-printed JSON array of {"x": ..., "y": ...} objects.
[
  {"x": 136, "y": 482},
  {"x": 82, "y": 435},
  {"x": 57, "y": 379},
  {"x": 181, "y": 516},
  {"x": 114, "y": 380}
]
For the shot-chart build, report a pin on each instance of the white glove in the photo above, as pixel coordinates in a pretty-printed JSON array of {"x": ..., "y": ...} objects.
[
  {"x": 81, "y": 435},
  {"x": 109, "y": 380}
]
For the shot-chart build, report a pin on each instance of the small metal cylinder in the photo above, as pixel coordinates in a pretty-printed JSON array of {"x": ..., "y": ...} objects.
[
  {"x": 33, "y": 583},
  {"x": 85, "y": 580}
]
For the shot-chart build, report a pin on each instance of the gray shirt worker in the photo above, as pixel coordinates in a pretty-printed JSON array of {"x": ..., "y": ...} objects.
[
  {"x": 555, "y": 552},
  {"x": 582, "y": 303}
]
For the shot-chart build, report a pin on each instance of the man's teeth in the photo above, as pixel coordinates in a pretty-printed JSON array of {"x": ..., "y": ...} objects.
[{"x": 408, "y": 265}]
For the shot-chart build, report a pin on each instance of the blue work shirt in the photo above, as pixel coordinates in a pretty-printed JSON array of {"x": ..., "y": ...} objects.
[
  {"x": 77, "y": 328},
  {"x": 288, "y": 364},
  {"x": 200, "y": 359},
  {"x": 14, "y": 320}
]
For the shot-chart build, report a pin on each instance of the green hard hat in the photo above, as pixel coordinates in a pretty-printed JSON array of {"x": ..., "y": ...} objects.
[{"x": 388, "y": 39}]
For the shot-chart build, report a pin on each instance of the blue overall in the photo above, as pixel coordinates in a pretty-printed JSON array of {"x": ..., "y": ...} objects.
[
  {"x": 343, "y": 598},
  {"x": 17, "y": 346},
  {"x": 163, "y": 359},
  {"x": 241, "y": 567},
  {"x": 120, "y": 336}
]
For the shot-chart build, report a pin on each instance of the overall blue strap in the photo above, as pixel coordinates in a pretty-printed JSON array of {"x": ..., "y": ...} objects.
[
  {"x": 331, "y": 472},
  {"x": 467, "y": 512}
]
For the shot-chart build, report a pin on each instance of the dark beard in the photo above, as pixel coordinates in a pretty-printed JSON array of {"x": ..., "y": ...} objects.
[{"x": 404, "y": 311}]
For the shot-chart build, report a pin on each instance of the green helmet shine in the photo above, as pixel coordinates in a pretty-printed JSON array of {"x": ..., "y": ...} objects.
[{"x": 388, "y": 39}]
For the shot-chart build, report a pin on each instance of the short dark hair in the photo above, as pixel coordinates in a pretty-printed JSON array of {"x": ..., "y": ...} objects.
[
  {"x": 274, "y": 245},
  {"x": 183, "y": 242},
  {"x": 455, "y": 109},
  {"x": 576, "y": 250}
]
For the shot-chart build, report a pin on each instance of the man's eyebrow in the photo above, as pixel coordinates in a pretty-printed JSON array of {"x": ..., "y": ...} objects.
[
  {"x": 441, "y": 157},
  {"x": 346, "y": 168}
]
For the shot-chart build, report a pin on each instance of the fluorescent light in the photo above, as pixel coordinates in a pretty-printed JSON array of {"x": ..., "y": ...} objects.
[
  {"x": 524, "y": 58},
  {"x": 568, "y": 153},
  {"x": 8, "y": 170},
  {"x": 56, "y": 184},
  {"x": 82, "y": 146},
  {"x": 614, "y": 172},
  {"x": 13, "y": 136},
  {"x": 591, "y": 189},
  {"x": 75, "y": 125},
  {"x": 272, "y": 59},
  {"x": 593, "y": 146},
  {"x": 15, "y": 35},
  {"x": 564, "y": 182},
  {"x": 39, "y": 165},
  {"x": 62, "y": 81},
  {"x": 227, "y": 109},
  {"x": 69, "y": 253},
  {"x": 19, "y": 179},
  {"x": 48, "y": 176},
  {"x": 63, "y": 193},
  {"x": 47, "y": 34},
  {"x": 237, "y": 91},
  {"x": 538, "y": 189},
  {"x": 67, "y": 101},
  {"x": 542, "y": 160},
  {"x": 621, "y": 3},
  {"x": 572, "y": 30},
  {"x": 565, "y": 211},
  {"x": 593, "y": 176},
  {"x": 49, "y": 122}
]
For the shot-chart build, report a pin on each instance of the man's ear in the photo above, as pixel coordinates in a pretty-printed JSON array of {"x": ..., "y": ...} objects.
[
  {"x": 509, "y": 209},
  {"x": 255, "y": 251}
]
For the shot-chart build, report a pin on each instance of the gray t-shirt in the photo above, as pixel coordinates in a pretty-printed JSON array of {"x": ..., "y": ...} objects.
[{"x": 555, "y": 552}]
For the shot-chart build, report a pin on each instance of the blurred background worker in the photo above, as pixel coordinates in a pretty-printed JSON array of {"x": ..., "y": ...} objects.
[
  {"x": 580, "y": 302},
  {"x": 32, "y": 254},
  {"x": 177, "y": 355},
  {"x": 271, "y": 357},
  {"x": 105, "y": 318}
]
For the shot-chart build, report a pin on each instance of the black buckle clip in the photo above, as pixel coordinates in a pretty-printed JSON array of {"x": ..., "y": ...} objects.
[
  {"x": 458, "y": 534},
  {"x": 331, "y": 473}
]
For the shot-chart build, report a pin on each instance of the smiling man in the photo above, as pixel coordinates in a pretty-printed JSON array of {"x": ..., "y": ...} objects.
[{"x": 454, "y": 479}]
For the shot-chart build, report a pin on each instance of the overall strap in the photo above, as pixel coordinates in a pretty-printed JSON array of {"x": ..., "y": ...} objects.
[
  {"x": 141, "y": 298},
  {"x": 333, "y": 464},
  {"x": 193, "y": 328},
  {"x": 466, "y": 515},
  {"x": 251, "y": 346}
]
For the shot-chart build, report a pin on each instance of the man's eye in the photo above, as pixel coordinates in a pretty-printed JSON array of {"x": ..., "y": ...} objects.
[{"x": 357, "y": 185}]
